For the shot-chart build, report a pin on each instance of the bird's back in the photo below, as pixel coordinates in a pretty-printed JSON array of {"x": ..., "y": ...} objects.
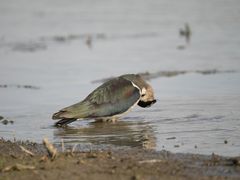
[{"x": 113, "y": 97}]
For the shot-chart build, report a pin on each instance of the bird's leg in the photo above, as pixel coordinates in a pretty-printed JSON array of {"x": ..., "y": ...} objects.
[
  {"x": 112, "y": 119},
  {"x": 107, "y": 119}
]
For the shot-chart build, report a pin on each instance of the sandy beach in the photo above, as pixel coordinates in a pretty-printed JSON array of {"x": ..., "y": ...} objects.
[{"x": 111, "y": 164}]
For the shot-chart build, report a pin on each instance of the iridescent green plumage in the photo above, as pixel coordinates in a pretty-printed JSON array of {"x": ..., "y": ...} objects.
[{"x": 114, "y": 97}]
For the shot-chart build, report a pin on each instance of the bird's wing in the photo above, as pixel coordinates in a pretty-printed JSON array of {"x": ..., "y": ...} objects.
[
  {"x": 113, "y": 91},
  {"x": 113, "y": 97}
]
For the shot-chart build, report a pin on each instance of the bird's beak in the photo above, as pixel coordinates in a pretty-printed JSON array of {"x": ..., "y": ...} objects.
[{"x": 146, "y": 104}]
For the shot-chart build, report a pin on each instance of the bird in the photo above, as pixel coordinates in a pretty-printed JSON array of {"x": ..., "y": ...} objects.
[
  {"x": 109, "y": 101},
  {"x": 186, "y": 32}
]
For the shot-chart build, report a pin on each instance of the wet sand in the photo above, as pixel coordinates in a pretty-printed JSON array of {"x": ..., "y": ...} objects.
[{"x": 111, "y": 164}]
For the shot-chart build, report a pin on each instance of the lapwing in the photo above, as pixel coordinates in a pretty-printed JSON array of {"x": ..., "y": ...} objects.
[{"x": 110, "y": 100}]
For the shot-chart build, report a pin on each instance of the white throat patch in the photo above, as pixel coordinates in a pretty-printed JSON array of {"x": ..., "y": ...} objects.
[
  {"x": 136, "y": 86},
  {"x": 144, "y": 90}
]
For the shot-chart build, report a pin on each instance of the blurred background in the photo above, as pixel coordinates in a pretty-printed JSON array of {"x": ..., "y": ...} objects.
[{"x": 53, "y": 53}]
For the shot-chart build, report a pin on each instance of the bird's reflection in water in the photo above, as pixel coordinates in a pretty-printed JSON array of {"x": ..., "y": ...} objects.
[{"x": 119, "y": 133}]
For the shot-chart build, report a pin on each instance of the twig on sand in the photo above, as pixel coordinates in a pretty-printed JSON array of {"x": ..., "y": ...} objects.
[
  {"x": 43, "y": 158},
  {"x": 150, "y": 161},
  {"x": 73, "y": 148},
  {"x": 63, "y": 147},
  {"x": 26, "y": 151},
  {"x": 18, "y": 167},
  {"x": 52, "y": 151}
]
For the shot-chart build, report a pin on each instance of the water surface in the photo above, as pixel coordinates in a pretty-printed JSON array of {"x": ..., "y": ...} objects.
[{"x": 51, "y": 52}]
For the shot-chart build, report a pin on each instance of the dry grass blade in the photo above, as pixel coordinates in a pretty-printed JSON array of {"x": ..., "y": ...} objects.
[
  {"x": 73, "y": 148},
  {"x": 43, "y": 158},
  {"x": 151, "y": 161},
  {"x": 18, "y": 167},
  {"x": 26, "y": 151},
  {"x": 63, "y": 147},
  {"x": 52, "y": 151}
]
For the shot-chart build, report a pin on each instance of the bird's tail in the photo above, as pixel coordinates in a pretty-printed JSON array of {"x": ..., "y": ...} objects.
[
  {"x": 65, "y": 118},
  {"x": 72, "y": 113},
  {"x": 64, "y": 122}
]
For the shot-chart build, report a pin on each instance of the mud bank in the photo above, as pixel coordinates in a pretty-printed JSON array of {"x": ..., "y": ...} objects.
[{"x": 111, "y": 164}]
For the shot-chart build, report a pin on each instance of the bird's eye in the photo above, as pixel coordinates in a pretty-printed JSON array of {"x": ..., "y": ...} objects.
[{"x": 143, "y": 95}]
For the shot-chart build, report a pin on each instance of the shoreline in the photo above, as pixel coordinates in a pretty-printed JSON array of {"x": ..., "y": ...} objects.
[{"x": 111, "y": 164}]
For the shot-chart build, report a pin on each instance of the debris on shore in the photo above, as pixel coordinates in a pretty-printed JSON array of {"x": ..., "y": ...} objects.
[
  {"x": 18, "y": 167},
  {"x": 52, "y": 151},
  {"x": 15, "y": 164}
]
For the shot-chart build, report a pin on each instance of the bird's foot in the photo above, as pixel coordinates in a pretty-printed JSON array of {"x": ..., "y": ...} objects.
[{"x": 108, "y": 120}]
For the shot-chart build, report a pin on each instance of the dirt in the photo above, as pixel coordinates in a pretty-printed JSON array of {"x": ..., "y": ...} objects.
[{"x": 133, "y": 164}]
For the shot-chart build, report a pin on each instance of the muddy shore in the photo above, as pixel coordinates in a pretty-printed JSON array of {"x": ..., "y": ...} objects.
[{"x": 111, "y": 164}]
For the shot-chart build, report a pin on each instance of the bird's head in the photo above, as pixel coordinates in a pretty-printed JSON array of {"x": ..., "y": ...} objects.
[
  {"x": 146, "y": 91},
  {"x": 147, "y": 97}
]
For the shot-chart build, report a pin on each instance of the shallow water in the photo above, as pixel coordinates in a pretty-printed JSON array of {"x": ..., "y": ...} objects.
[{"x": 47, "y": 63}]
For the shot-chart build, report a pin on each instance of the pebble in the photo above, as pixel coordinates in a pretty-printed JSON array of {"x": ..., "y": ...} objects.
[
  {"x": 5, "y": 121},
  {"x": 169, "y": 138}
]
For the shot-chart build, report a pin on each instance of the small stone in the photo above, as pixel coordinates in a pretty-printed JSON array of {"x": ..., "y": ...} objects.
[
  {"x": 1, "y": 118},
  {"x": 180, "y": 47},
  {"x": 176, "y": 146},
  {"x": 92, "y": 155},
  {"x": 113, "y": 171},
  {"x": 5, "y": 122},
  {"x": 195, "y": 146},
  {"x": 225, "y": 141},
  {"x": 43, "y": 158},
  {"x": 236, "y": 161},
  {"x": 3, "y": 86},
  {"x": 135, "y": 177},
  {"x": 80, "y": 161}
]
